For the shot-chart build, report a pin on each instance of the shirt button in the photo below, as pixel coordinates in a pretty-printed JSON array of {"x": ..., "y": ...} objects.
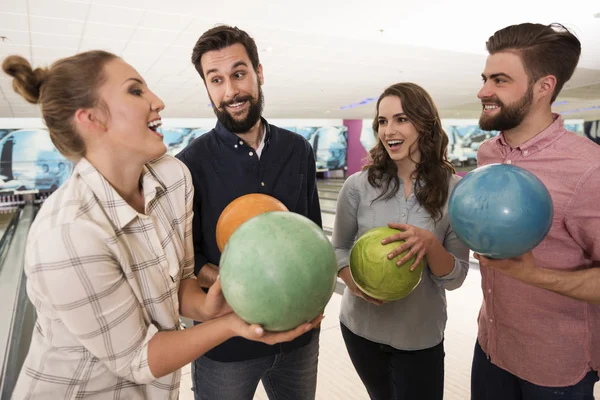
[
  {"x": 262, "y": 184},
  {"x": 241, "y": 142},
  {"x": 489, "y": 290},
  {"x": 508, "y": 161},
  {"x": 404, "y": 214},
  {"x": 251, "y": 154},
  {"x": 491, "y": 320},
  {"x": 526, "y": 152},
  {"x": 235, "y": 146}
]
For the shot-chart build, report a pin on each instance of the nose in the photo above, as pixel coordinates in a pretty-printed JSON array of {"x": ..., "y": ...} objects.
[
  {"x": 156, "y": 104},
  {"x": 485, "y": 91},
  {"x": 382, "y": 130},
  {"x": 231, "y": 89}
]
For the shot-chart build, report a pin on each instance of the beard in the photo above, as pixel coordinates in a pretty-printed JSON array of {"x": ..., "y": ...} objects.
[
  {"x": 240, "y": 125},
  {"x": 510, "y": 115}
]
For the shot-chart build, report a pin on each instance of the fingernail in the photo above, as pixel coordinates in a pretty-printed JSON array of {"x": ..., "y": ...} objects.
[
  {"x": 390, "y": 256},
  {"x": 398, "y": 263},
  {"x": 259, "y": 331},
  {"x": 383, "y": 241},
  {"x": 308, "y": 328}
]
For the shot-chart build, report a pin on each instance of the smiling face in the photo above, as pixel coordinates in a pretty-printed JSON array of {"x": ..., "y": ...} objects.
[
  {"x": 397, "y": 134},
  {"x": 234, "y": 87},
  {"x": 507, "y": 95},
  {"x": 130, "y": 115}
]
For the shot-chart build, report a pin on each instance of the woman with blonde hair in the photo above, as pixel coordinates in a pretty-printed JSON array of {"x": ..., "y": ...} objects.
[{"x": 109, "y": 258}]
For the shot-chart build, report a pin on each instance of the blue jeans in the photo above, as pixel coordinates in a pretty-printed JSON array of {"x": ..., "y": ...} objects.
[
  {"x": 285, "y": 376},
  {"x": 391, "y": 374},
  {"x": 490, "y": 382}
]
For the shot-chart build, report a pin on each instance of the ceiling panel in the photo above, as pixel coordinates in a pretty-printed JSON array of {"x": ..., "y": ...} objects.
[
  {"x": 158, "y": 20},
  {"x": 14, "y": 6},
  {"x": 108, "y": 31},
  {"x": 55, "y": 40},
  {"x": 12, "y": 21},
  {"x": 154, "y": 36},
  {"x": 58, "y": 9},
  {"x": 53, "y": 52},
  {"x": 115, "y": 15},
  {"x": 96, "y": 43},
  {"x": 17, "y": 37},
  {"x": 60, "y": 26},
  {"x": 317, "y": 59}
]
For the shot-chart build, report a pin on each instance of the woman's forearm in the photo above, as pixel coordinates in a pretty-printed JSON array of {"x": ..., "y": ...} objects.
[
  {"x": 170, "y": 350},
  {"x": 440, "y": 261}
]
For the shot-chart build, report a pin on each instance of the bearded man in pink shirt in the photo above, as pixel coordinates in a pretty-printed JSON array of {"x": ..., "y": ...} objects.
[{"x": 539, "y": 324}]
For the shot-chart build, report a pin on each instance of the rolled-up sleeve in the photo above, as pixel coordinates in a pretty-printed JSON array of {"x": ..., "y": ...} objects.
[
  {"x": 71, "y": 270},
  {"x": 460, "y": 252},
  {"x": 346, "y": 222}
]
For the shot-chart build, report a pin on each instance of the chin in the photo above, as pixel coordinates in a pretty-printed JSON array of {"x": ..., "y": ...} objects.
[{"x": 158, "y": 153}]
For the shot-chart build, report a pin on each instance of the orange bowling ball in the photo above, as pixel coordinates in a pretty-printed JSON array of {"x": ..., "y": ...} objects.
[{"x": 242, "y": 209}]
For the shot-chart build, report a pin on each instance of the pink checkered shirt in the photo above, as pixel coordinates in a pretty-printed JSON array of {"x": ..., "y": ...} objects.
[{"x": 540, "y": 336}]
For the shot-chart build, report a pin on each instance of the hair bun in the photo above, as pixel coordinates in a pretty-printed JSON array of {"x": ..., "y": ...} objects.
[{"x": 27, "y": 82}]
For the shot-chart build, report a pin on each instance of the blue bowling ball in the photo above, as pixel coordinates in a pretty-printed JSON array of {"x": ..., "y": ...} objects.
[{"x": 500, "y": 211}]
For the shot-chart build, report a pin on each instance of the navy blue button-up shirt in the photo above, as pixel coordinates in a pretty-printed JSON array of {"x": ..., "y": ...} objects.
[{"x": 223, "y": 168}]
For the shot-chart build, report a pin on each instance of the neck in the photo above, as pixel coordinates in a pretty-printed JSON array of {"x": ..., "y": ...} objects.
[
  {"x": 535, "y": 122},
  {"x": 123, "y": 176},
  {"x": 406, "y": 170},
  {"x": 254, "y": 135}
]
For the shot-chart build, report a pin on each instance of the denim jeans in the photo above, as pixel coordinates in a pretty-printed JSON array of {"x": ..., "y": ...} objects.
[
  {"x": 392, "y": 374},
  {"x": 490, "y": 382},
  {"x": 285, "y": 376}
]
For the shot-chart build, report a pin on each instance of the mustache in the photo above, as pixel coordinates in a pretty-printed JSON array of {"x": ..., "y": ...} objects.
[
  {"x": 236, "y": 99},
  {"x": 492, "y": 100}
]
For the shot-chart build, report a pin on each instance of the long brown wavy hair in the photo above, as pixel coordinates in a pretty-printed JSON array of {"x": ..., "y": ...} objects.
[{"x": 433, "y": 172}]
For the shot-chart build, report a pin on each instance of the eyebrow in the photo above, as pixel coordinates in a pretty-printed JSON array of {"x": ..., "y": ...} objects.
[
  {"x": 134, "y": 79},
  {"x": 498, "y": 75},
  {"x": 396, "y": 115},
  {"x": 237, "y": 64}
]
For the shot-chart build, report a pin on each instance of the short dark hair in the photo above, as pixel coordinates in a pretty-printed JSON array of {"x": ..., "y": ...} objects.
[
  {"x": 545, "y": 50},
  {"x": 221, "y": 37}
]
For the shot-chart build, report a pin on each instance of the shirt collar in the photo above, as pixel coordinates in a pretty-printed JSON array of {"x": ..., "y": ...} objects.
[
  {"x": 117, "y": 210},
  {"x": 261, "y": 145},
  {"x": 234, "y": 140},
  {"x": 543, "y": 139}
]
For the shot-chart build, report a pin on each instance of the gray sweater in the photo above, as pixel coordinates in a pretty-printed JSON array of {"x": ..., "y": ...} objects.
[{"x": 417, "y": 321}]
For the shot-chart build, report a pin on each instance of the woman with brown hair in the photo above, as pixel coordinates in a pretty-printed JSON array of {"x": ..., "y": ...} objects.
[
  {"x": 109, "y": 258},
  {"x": 397, "y": 347}
]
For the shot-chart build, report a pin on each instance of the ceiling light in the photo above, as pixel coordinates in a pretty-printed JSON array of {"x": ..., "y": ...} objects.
[{"x": 360, "y": 103}]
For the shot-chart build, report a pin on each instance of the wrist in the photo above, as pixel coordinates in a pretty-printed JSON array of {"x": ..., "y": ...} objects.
[
  {"x": 231, "y": 322},
  {"x": 199, "y": 305},
  {"x": 531, "y": 274},
  {"x": 344, "y": 273}
]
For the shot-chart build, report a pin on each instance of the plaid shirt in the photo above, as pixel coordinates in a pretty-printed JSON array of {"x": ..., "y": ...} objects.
[{"x": 104, "y": 280}]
